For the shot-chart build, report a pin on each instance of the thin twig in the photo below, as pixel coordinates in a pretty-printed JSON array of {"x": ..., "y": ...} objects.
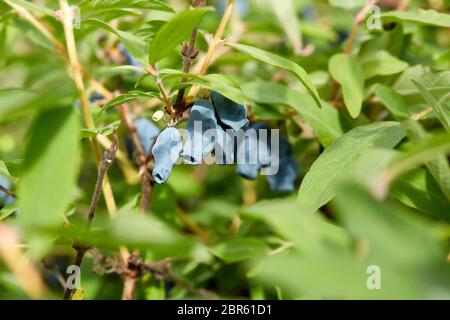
[
  {"x": 216, "y": 41},
  {"x": 359, "y": 19},
  {"x": 422, "y": 114},
  {"x": 79, "y": 71},
  {"x": 142, "y": 158},
  {"x": 7, "y": 191},
  {"x": 189, "y": 53},
  {"x": 108, "y": 158},
  {"x": 402, "y": 5},
  {"x": 16, "y": 259},
  {"x": 160, "y": 269},
  {"x": 78, "y": 79}
]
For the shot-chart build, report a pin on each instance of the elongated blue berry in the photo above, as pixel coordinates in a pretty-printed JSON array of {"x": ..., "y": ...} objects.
[
  {"x": 128, "y": 56},
  {"x": 231, "y": 114},
  {"x": 166, "y": 152},
  {"x": 147, "y": 132},
  {"x": 284, "y": 179},
  {"x": 253, "y": 151},
  {"x": 225, "y": 150},
  {"x": 201, "y": 132}
]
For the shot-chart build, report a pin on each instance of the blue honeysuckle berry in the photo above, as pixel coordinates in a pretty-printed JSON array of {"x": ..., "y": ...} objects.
[
  {"x": 95, "y": 96},
  {"x": 242, "y": 7},
  {"x": 225, "y": 151},
  {"x": 147, "y": 132},
  {"x": 198, "y": 144},
  {"x": 343, "y": 35},
  {"x": 252, "y": 152},
  {"x": 166, "y": 152},
  {"x": 229, "y": 113},
  {"x": 248, "y": 171},
  {"x": 128, "y": 56},
  {"x": 308, "y": 13},
  {"x": 281, "y": 181},
  {"x": 284, "y": 179},
  {"x": 4, "y": 198}
]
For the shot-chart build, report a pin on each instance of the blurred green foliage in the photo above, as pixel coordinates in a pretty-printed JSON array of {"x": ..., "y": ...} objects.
[{"x": 370, "y": 129}]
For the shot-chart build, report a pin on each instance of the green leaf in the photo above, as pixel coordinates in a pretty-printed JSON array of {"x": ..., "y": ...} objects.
[
  {"x": 347, "y": 4},
  {"x": 296, "y": 223},
  {"x": 174, "y": 31},
  {"x": 426, "y": 17},
  {"x": 420, "y": 153},
  {"x": 383, "y": 233},
  {"x": 33, "y": 7},
  {"x": 438, "y": 167},
  {"x": 327, "y": 122},
  {"x": 20, "y": 102},
  {"x": 130, "y": 228},
  {"x": 6, "y": 212},
  {"x": 106, "y": 131},
  {"x": 388, "y": 229},
  {"x": 240, "y": 249},
  {"x": 123, "y": 98},
  {"x": 419, "y": 190},
  {"x": 50, "y": 167},
  {"x": 336, "y": 163},
  {"x": 389, "y": 233},
  {"x": 4, "y": 169},
  {"x": 92, "y": 8},
  {"x": 280, "y": 62},
  {"x": 135, "y": 45},
  {"x": 381, "y": 63},
  {"x": 285, "y": 11},
  {"x": 217, "y": 82},
  {"x": 393, "y": 101},
  {"x": 442, "y": 111},
  {"x": 348, "y": 73}
]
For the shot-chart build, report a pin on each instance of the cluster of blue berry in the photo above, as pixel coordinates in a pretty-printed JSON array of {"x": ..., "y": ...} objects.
[{"x": 223, "y": 117}]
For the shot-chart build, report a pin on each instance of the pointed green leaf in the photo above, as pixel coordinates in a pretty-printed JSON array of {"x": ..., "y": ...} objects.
[
  {"x": 442, "y": 111},
  {"x": 327, "y": 122},
  {"x": 240, "y": 249},
  {"x": 50, "y": 167},
  {"x": 135, "y": 45},
  {"x": 381, "y": 63},
  {"x": 280, "y": 62},
  {"x": 337, "y": 161},
  {"x": 426, "y": 17},
  {"x": 393, "y": 101},
  {"x": 174, "y": 31},
  {"x": 348, "y": 73},
  {"x": 420, "y": 153},
  {"x": 438, "y": 167}
]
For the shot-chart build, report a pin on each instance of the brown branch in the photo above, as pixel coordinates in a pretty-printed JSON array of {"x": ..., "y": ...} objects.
[
  {"x": 359, "y": 19},
  {"x": 107, "y": 160},
  {"x": 7, "y": 191},
  {"x": 130, "y": 275},
  {"x": 136, "y": 268},
  {"x": 189, "y": 53},
  {"x": 216, "y": 41},
  {"x": 142, "y": 158},
  {"x": 108, "y": 157}
]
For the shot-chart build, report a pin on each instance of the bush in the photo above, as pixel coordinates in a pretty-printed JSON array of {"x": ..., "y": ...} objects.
[{"x": 253, "y": 149}]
